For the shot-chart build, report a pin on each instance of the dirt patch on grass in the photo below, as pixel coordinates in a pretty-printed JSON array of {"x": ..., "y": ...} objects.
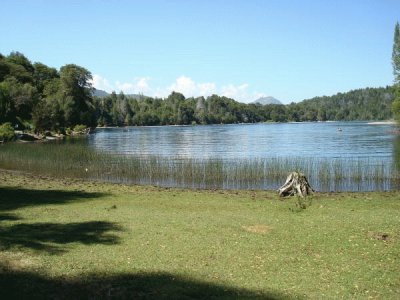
[
  {"x": 17, "y": 261},
  {"x": 260, "y": 229},
  {"x": 379, "y": 236}
]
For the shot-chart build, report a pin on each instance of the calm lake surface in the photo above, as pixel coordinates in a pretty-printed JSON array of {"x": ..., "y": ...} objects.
[
  {"x": 325, "y": 140},
  {"x": 345, "y": 141}
]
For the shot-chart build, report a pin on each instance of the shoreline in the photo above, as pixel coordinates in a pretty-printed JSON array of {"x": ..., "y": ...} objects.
[
  {"x": 385, "y": 122},
  {"x": 89, "y": 182},
  {"x": 388, "y": 122}
]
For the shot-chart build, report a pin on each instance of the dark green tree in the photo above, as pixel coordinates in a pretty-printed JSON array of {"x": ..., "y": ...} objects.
[
  {"x": 20, "y": 59},
  {"x": 75, "y": 94},
  {"x": 66, "y": 98},
  {"x": 18, "y": 66},
  {"x": 396, "y": 71},
  {"x": 42, "y": 75},
  {"x": 48, "y": 114},
  {"x": 7, "y": 107},
  {"x": 24, "y": 97}
]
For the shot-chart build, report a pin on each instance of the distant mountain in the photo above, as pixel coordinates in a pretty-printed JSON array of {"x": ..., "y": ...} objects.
[
  {"x": 267, "y": 100},
  {"x": 101, "y": 94}
]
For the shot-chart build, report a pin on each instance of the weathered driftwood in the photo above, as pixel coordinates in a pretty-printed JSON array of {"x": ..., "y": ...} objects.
[{"x": 296, "y": 183}]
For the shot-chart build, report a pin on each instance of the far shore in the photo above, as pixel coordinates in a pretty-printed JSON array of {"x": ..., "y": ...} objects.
[{"x": 388, "y": 122}]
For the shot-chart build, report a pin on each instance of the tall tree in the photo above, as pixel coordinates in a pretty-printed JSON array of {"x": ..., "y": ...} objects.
[
  {"x": 67, "y": 98},
  {"x": 396, "y": 71},
  {"x": 396, "y": 54},
  {"x": 76, "y": 95}
]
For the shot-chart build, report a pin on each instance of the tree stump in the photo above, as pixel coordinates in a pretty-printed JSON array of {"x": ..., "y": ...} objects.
[{"x": 296, "y": 183}]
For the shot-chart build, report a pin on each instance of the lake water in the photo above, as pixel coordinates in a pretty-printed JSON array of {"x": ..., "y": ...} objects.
[
  {"x": 345, "y": 141},
  {"x": 325, "y": 140}
]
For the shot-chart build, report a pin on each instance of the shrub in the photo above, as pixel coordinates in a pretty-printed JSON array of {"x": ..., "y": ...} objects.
[
  {"x": 6, "y": 132},
  {"x": 80, "y": 128}
]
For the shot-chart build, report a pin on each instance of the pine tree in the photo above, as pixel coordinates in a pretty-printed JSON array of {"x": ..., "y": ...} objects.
[
  {"x": 396, "y": 71},
  {"x": 396, "y": 54}
]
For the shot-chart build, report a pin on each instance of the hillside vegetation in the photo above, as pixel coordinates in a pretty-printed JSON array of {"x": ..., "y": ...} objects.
[
  {"x": 362, "y": 104},
  {"x": 35, "y": 96}
]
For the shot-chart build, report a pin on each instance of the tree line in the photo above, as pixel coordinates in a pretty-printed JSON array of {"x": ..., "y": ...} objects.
[
  {"x": 362, "y": 104},
  {"x": 35, "y": 96}
]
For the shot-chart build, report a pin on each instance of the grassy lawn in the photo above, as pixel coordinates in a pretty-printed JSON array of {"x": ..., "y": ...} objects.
[{"x": 75, "y": 239}]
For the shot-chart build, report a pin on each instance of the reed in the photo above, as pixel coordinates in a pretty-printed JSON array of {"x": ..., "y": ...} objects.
[{"x": 77, "y": 160}]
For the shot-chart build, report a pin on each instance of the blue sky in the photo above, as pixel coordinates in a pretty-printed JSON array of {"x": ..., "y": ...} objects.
[{"x": 244, "y": 49}]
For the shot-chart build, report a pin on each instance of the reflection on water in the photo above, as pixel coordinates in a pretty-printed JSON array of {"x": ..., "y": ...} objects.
[
  {"x": 396, "y": 152},
  {"x": 357, "y": 139},
  {"x": 357, "y": 148}
]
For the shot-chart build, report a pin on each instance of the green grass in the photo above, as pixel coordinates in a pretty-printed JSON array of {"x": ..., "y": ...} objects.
[
  {"x": 62, "y": 238},
  {"x": 76, "y": 160}
]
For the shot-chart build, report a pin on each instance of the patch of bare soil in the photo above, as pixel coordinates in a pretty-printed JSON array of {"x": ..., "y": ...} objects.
[
  {"x": 17, "y": 261},
  {"x": 379, "y": 236},
  {"x": 260, "y": 229}
]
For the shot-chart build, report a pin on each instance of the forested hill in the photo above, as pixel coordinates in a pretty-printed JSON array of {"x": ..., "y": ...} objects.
[
  {"x": 361, "y": 104},
  {"x": 35, "y": 96}
]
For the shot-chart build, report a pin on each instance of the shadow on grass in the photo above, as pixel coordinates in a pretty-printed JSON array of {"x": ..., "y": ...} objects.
[
  {"x": 23, "y": 285},
  {"x": 9, "y": 217},
  {"x": 49, "y": 237},
  {"x": 14, "y": 198},
  {"x": 53, "y": 237}
]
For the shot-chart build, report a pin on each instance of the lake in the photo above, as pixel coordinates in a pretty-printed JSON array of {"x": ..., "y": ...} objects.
[
  {"x": 323, "y": 140},
  {"x": 335, "y": 156},
  {"x": 349, "y": 147}
]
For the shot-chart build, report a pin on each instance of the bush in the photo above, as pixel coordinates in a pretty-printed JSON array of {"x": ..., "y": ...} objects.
[
  {"x": 6, "y": 132},
  {"x": 80, "y": 128}
]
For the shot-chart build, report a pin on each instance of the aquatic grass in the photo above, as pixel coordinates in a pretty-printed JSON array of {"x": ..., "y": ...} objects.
[{"x": 76, "y": 160}]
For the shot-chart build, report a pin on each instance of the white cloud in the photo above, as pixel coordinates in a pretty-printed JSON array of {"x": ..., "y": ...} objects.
[
  {"x": 183, "y": 84},
  {"x": 137, "y": 86},
  {"x": 142, "y": 84},
  {"x": 235, "y": 92},
  {"x": 189, "y": 88},
  {"x": 257, "y": 95},
  {"x": 126, "y": 87},
  {"x": 206, "y": 88},
  {"x": 101, "y": 83}
]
